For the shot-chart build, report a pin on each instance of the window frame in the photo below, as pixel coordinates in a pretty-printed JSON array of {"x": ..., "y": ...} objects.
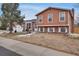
[
  {"x": 40, "y": 18},
  {"x": 40, "y": 29},
  {"x": 59, "y": 29},
  {"x": 53, "y": 29},
  {"x": 60, "y": 17},
  {"x": 49, "y": 17}
]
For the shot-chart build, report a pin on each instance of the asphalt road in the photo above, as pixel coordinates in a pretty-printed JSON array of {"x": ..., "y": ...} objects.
[{"x": 6, "y": 52}]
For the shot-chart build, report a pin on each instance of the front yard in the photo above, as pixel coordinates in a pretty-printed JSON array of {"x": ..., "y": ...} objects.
[{"x": 54, "y": 41}]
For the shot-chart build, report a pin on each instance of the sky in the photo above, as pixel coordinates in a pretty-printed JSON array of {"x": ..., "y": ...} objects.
[{"x": 29, "y": 10}]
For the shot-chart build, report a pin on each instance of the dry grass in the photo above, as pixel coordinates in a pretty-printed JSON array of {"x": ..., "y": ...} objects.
[{"x": 55, "y": 41}]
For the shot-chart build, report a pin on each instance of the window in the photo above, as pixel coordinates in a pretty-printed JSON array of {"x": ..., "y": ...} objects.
[
  {"x": 28, "y": 25},
  {"x": 40, "y": 29},
  {"x": 63, "y": 29},
  {"x": 50, "y": 16},
  {"x": 51, "y": 29},
  {"x": 62, "y": 16},
  {"x": 40, "y": 18}
]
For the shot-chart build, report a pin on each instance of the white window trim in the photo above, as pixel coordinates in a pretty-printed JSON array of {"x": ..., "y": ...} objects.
[
  {"x": 40, "y": 18},
  {"x": 59, "y": 29},
  {"x": 64, "y": 17},
  {"x": 43, "y": 29},
  {"x": 66, "y": 30},
  {"x": 48, "y": 18},
  {"x": 48, "y": 29},
  {"x": 39, "y": 29},
  {"x": 52, "y": 28}
]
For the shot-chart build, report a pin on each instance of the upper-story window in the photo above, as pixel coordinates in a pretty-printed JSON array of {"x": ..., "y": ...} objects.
[
  {"x": 62, "y": 16},
  {"x": 40, "y": 18},
  {"x": 50, "y": 17}
]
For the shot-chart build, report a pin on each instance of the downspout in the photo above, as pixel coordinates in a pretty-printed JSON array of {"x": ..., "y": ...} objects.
[{"x": 72, "y": 20}]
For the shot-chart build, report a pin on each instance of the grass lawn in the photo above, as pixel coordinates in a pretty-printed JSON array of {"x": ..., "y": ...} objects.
[{"x": 54, "y": 41}]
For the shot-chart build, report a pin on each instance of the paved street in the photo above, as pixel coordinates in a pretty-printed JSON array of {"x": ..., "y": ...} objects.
[
  {"x": 26, "y": 49},
  {"x": 6, "y": 52}
]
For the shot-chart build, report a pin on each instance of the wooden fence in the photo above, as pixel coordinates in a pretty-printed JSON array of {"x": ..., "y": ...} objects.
[{"x": 76, "y": 29}]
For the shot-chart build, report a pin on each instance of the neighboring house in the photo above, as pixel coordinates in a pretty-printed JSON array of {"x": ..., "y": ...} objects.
[
  {"x": 30, "y": 25},
  {"x": 56, "y": 20},
  {"x": 16, "y": 27}
]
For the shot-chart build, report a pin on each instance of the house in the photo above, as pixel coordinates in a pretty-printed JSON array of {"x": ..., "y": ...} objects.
[
  {"x": 30, "y": 24},
  {"x": 55, "y": 20},
  {"x": 16, "y": 27}
]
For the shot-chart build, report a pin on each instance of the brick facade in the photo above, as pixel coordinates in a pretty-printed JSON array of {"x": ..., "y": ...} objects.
[{"x": 55, "y": 25}]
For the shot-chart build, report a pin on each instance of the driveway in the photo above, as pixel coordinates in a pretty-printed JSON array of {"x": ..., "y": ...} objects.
[
  {"x": 26, "y": 49},
  {"x": 6, "y": 52}
]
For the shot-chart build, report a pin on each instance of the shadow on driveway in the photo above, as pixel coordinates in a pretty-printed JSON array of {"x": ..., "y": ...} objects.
[{"x": 6, "y": 52}]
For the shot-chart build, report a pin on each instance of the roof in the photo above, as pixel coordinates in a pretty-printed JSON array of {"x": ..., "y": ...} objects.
[
  {"x": 70, "y": 10},
  {"x": 52, "y": 8},
  {"x": 33, "y": 20}
]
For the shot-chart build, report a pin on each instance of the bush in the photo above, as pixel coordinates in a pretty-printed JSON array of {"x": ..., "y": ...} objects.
[
  {"x": 74, "y": 36},
  {"x": 2, "y": 28}
]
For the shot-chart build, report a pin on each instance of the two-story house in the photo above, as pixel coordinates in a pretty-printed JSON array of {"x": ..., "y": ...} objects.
[{"x": 56, "y": 20}]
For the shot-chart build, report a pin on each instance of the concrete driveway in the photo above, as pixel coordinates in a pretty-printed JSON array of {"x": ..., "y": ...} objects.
[
  {"x": 6, "y": 52},
  {"x": 26, "y": 49}
]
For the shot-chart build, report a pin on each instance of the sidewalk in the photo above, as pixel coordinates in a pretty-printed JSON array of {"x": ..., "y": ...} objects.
[
  {"x": 26, "y": 49},
  {"x": 3, "y": 31}
]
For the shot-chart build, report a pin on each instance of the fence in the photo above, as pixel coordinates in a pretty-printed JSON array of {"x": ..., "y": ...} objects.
[{"x": 76, "y": 29}]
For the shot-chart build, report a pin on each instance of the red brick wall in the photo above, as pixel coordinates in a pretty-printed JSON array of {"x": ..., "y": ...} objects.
[{"x": 55, "y": 20}]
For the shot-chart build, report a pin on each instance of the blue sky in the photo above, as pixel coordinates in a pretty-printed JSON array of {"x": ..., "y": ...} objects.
[{"x": 29, "y": 10}]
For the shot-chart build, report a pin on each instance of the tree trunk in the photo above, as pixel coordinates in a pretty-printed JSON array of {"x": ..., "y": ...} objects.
[{"x": 10, "y": 28}]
